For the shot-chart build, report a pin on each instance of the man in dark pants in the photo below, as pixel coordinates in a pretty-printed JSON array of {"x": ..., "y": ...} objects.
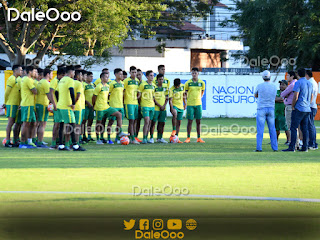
[
  {"x": 301, "y": 111},
  {"x": 313, "y": 145}
]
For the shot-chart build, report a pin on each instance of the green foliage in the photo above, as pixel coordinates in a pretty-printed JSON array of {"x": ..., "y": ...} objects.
[{"x": 287, "y": 29}]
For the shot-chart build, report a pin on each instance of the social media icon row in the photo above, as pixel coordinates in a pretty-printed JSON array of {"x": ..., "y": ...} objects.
[{"x": 157, "y": 224}]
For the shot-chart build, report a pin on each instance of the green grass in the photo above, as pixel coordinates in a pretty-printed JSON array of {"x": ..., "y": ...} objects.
[{"x": 224, "y": 165}]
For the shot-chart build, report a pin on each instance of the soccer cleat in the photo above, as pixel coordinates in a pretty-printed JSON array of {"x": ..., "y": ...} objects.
[
  {"x": 79, "y": 149},
  {"x": 53, "y": 147},
  {"x": 161, "y": 140},
  {"x": 151, "y": 140},
  {"x": 135, "y": 142},
  {"x": 42, "y": 146},
  {"x": 312, "y": 148},
  {"x": 173, "y": 133},
  {"x": 32, "y": 144},
  {"x": 15, "y": 145},
  {"x": 137, "y": 139},
  {"x": 45, "y": 143},
  {"x": 64, "y": 148},
  {"x": 99, "y": 142},
  {"x": 199, "y": 140},
  {"x": 187, "y": 140},
  {"x": 179, "y": 141},
  {"x": 91, "y": 140},
  {"x": 110, "y": 142},
  {"x": 145, "y": 141},
  {"x": 8, "y": 145},
  {"x": 103, "y": 140},
  {"x": 288, "y": 150},
  {"x": 257, "y": 150},
  {"x": 287, "y": 143},
  {"x": 24, "y": 146}
]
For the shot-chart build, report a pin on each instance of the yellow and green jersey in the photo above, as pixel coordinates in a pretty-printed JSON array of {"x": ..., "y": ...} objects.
[
  {"x": 88, "y": 91},
  {"x": 177, "y": 96},
  {"x": 43, "y": 88},
  {"x": 116, "y": 94},
  {"x": 102, "y": 93},
  {"x": 131, "y": 88},
  {"x": 166, "y": 82},
  {"x": 147, "y": 94},
  {"x": 64, "y": 93},
  {"x": 12, "y": 92},
  {"x": 27, "y": 96},
  {"x": 54, "y": 85},
  {"x": 78, "y": 88},
  {"x": 194, "y": 92},
  {"x": 160, "y": 95}
]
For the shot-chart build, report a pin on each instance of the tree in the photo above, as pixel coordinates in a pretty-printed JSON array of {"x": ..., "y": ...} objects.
[{"x": 272, "y": 28}]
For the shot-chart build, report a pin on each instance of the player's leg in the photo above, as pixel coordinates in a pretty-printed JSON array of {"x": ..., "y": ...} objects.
[
  {"x": 16, "y": 133},
  {"x": 272, "y": 128},
  {"x": 11, "y": 121},
  {"x": 109, "y": 129},
  {"x": 146, "y": 129},
  {"x": 190, "y": 117},
  {"x": 305, "y": 131},
  {"x": 103, "y": 123},
  {"x": 198, "y": 117},
  {"x": 42, "y": 113},
  {"x": 89, "y": 124},
  {"x": 138, "y": 124},
  {"x": 77, "y": 126},
  {"x": 113, "y": 112},
  {"x": 174, "y": 121},
  {"x": 161, "y": 123}
]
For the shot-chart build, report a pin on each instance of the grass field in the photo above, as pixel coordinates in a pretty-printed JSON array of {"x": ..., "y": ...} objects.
[{"x": 224, "y": 165}]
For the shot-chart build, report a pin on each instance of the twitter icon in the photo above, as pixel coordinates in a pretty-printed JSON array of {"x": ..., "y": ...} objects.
[{"x": 129, "y": 225}]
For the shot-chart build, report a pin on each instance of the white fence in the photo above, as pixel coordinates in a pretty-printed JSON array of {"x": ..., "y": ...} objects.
[{"x": 225, "y": 95}]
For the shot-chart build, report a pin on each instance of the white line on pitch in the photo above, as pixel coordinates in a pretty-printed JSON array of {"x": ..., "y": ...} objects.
[{"x": 174, "y": 195}]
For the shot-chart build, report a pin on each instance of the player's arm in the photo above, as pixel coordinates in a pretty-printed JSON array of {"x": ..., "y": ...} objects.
[
  {"x": 279, "y": 100},
  {"x": 77, "y": 97},
  {"x": 311, "y": 98},
  {"x": 89, "y": 104},
  {"x": 71, "y": 90},
  {"x": 7, "y": 94},
  {"x": 50, "y": 96},
  {"x": 94, "y": 98},
  {"x": 165, "y": 103}
]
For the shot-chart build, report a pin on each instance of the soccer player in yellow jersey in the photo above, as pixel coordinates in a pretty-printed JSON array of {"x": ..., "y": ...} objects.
[
  {"x": 177, "y": 102},
  {"x": 131, "y": 85},
  {"x": 66, "y": 106},
  {"x": 42, "y": 102},
  {"x": 105, "y": 70},
  {"x": 28, "y": 117},
  {"x": 89, "y": 111},
  {"x": 146, "y": 97},
  {"x": 160, "y": 115},
  {"x": 80, "y": 104},
  {"x": 115, "y": 100},
  {"x": 195, "y": 90},
  {"x": 139, "y": 77},
  {"x": 54, "y": 93},
  {"x": 12, "y": 102},
  {"x": 103, "y": 110},
  {"x": 166, "y": 81}
]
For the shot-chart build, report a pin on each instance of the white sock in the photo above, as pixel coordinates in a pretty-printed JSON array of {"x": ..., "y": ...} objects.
[
  {"x": 61, "y": 146},
  {"x": 29, "y": 140}
]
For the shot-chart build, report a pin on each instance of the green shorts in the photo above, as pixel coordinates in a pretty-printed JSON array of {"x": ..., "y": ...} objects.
[
  {"x": 147, "y": 112},
  {"x": 194, "y": 112},
  {"x": 179, "y": 113},
  {"x": 42, "y": 113},
  {"x": 28, "y": 114},
  {"x": 56, "y": 117},
  {"x": 121, "y": 110},
  {"x": 160, "y": 116},
  {"x": 66, "y": 116},
  {"x": 12, "y": 110},
  {"x": 280, "y": 122},
  {"x": 105, "y": 113},
  {"x": 78, "y": 114},
  {"x": 131, "y": 111},
  {"x": 88, "y": 113}
]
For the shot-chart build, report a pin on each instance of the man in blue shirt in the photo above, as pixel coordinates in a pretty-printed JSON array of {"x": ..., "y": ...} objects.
[{"x": 301, "y": 111}]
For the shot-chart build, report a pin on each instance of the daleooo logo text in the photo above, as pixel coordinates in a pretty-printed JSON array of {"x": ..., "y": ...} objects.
[{"x": 51, "y": 15}]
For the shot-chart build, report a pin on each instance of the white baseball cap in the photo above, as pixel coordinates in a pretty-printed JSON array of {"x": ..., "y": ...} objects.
[{"x": 266, "y": 74}]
